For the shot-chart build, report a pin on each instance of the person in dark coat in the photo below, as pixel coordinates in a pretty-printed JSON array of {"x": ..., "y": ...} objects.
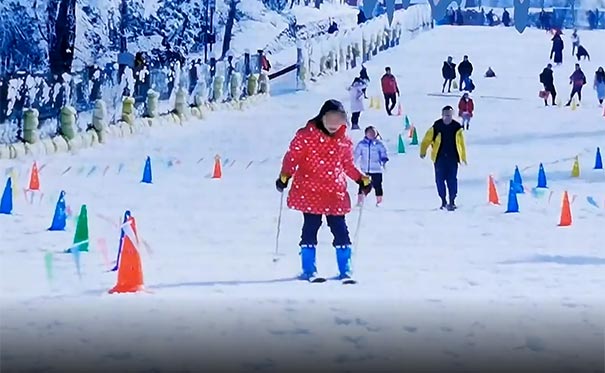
[
  {"x": 446, "y": 138},
  {"x": 361, "y": 17},
  {"x": 490, "y": 18},
  {"x": 577, "y": 81},
  {"x": 506, "y": 18},
  {"x": 557, "y": 49},
  {"x": 333, "y": 27},
  {"x": 465, "y": 69},
  {"x": 448, "y": 71},
  {"x": 363, "y": 75},
  {"x": 548, "y": 81},
  {"x": 459, "y": 17}
]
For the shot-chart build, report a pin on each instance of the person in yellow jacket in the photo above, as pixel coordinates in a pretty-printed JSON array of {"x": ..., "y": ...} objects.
[{"x": 447, "y": 140}]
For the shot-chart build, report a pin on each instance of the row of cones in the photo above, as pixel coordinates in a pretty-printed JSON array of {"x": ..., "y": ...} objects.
[
  {"x": 376, "y": 103},
  {"x": 147, "y": 178},
  {"x": 513, "y": 205}
]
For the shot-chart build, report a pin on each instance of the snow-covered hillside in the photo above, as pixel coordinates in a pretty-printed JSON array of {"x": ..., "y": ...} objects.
[
  {"x": 475, "y": 290},
  {"x": 148, "y": 23}
]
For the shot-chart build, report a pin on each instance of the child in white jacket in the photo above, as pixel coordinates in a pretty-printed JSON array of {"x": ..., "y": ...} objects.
[
  {"x": 356, "y": 93},
  {"x": 371, "y": 156}
]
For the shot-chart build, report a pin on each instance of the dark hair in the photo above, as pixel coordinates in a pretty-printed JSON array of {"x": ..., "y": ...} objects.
[
  {"x": 329, "y": 106},
  {"x": 447, "y": 107}
]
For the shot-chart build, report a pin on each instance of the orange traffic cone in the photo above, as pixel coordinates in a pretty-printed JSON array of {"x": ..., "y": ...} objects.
[
  {"x": 217, "y": 173},
  {"x": 565, "y": 212},
  {"x": 34, "y": 180},
  {"x": 130, "y": 271},
  {"x": 492, "y": 194},
  {"x": 399, "y": 110},
  {"x": 411, "y": 132}
]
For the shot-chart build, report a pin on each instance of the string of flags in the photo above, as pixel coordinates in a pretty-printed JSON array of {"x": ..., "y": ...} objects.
[{"x": 128, "y": 262}]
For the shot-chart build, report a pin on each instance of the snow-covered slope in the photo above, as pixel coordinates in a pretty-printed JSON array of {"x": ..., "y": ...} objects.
[{"x": 476, "y": 288}]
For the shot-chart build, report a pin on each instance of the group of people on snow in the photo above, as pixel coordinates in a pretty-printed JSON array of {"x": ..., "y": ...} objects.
[
  {"x": 321, "y": 156},
  {"x": 577, "y": 49},
  {"x": 465, "y": 69},
  {"x": 577, "y": 79}
]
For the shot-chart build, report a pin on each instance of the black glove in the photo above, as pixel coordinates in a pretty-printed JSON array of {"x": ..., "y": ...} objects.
[
  {"x": 365, "y": 184},
  {"x": 282, "y": 182}
]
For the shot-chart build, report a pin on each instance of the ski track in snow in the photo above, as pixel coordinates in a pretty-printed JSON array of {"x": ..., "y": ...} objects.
[{"x": 475, "y": 284}]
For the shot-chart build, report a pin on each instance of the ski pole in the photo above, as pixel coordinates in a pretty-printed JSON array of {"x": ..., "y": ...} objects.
[
  {"x": 357, "y": 229},
  {"x": 281, "y": 208}
]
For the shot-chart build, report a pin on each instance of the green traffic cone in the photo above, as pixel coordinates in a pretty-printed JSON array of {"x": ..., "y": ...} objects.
[
  {"x": 414, "y": 137},
  {"x": 81, "y": 230},
  {"x": 400, "y": 145},
  {"x": 407, "y": 123}
]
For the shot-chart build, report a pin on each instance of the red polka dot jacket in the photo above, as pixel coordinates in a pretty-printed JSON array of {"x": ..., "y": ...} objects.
[{"x": 319, "y": 164}]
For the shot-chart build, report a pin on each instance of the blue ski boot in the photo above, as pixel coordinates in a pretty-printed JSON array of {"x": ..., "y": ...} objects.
[
  {"x": 307, "y": 256},
  {"x": 343, "y": 258}
]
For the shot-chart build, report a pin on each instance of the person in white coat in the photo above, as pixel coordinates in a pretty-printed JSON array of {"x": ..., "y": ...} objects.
[
  {"x": 575, "y": 42},
  {"x": 356, "y": 93}
]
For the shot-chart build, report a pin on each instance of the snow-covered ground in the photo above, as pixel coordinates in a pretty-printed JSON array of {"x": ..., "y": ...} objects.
[{"x": 472, "y": 290}]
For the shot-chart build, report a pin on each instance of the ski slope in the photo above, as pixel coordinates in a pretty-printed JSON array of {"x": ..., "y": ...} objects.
[{"x": 470, "y": 289}]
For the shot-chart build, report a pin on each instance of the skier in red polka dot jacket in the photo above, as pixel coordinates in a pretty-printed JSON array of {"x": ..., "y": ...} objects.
[{"x": 319, "y": 158}]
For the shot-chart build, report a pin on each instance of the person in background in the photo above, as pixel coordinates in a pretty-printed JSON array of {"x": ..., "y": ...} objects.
[
  {"x": 356, "y": 96},
  {"x": 371, "y": 156},
  {"x": 448, "y": 71},
  {"x": 548, "y": 81},
  {"x": 575, "y": 42},
  {"x": 599, "y": 84},
  {"x": 506, "y": 18},
  {"x": 577, "y": 81},
  {"x": 363, "y": 74},
  {"x": 557, "y": 49},
  {"x": 466, "y": 106},
  {"x": 333, "y": 27},
  {"x": 265, "y": 64},
  {"x": 465, "y": 69},
  {"x": 390, "y": 90},
  {"x": 446, "y": 138}
]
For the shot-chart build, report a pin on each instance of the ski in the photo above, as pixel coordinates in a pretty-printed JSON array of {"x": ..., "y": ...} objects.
[{"x": 348, "y": 281}]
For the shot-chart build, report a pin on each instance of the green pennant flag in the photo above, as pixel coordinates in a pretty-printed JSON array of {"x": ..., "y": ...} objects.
[{"x": 48, "y": 261}]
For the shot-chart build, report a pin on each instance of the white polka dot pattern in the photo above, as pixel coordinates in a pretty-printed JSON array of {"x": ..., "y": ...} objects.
[{"x": 319, "y": 165}]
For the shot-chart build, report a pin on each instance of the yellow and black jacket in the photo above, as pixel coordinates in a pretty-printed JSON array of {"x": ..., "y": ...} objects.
[{"x": 433, "y": 138}]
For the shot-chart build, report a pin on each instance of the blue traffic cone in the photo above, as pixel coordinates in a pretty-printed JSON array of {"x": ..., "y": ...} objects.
[
  {"x": 518, "y": 181},
  {"x": 541, "y": 178},
  {"x": 6, "y": 204},
  {"x": 126, "y": 217},
  {"x": 598, "y": 162},
  {"x": 147, "y": 172},
  {"x": 513, "y": 204},
  {"x": 407, "y": 123},
  {"x": 60, "y": 217}
]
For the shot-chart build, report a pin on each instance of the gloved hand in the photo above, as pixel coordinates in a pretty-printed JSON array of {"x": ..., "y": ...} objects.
[
  {"x": 384, "y": 160},
  {"x": 282, "y": 182},
  {"x": 365, "y": 183}
]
